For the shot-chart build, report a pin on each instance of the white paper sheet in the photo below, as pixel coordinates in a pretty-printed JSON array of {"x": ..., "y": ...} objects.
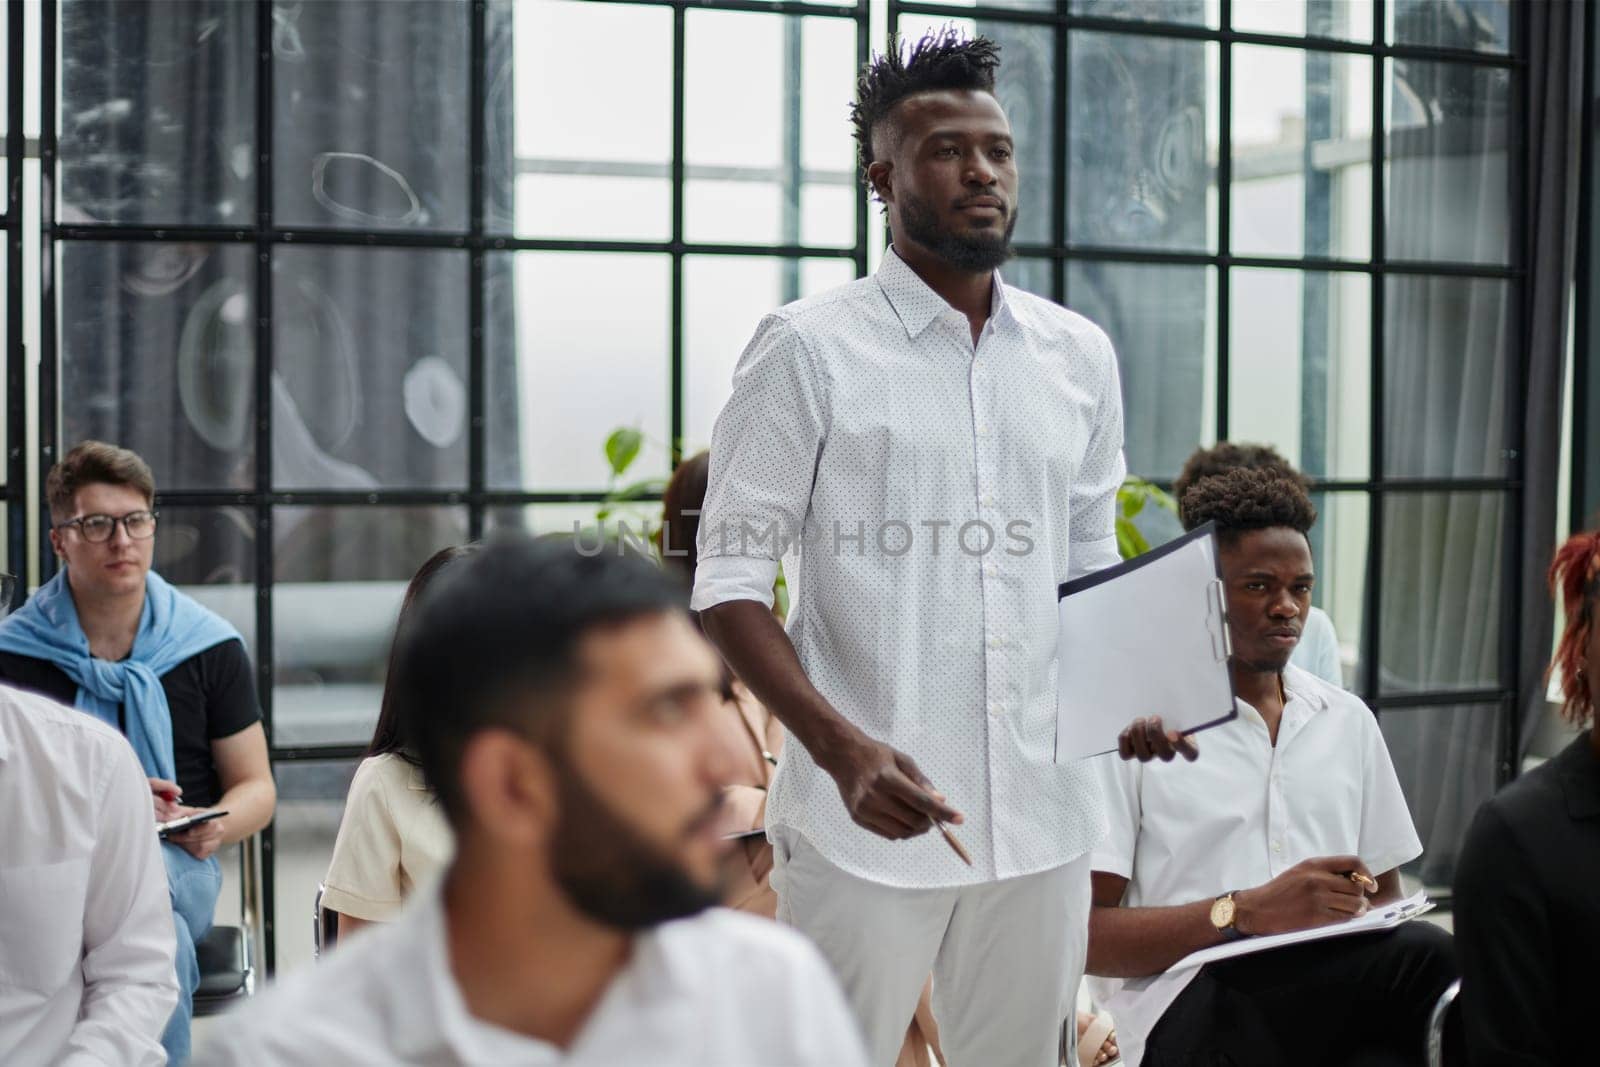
[
  {"x": 1385, "y": 918},
  {"x": 1146, "y": 638}
]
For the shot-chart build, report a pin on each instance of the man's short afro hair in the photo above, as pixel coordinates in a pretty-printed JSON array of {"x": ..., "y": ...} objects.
[
  {"x": 942, "y": 59},
  {"x": 1241, "y": 499}
]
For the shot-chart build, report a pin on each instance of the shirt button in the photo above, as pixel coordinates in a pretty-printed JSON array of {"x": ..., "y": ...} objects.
[
  {"x": 1277, "y": 846},
  {"x": 983, "y": 431},
  {"x": 991, "y": 569},
  {"x": 994, "y": 642},
  {"x": 994, "y": 708},
  {"x": 988, "y": 500}
]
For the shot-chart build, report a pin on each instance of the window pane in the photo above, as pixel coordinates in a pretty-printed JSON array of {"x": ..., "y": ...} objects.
[
  {"x": 1162, "y": 321},
  {"x": 1478, "y": 25},
  {"x": 210, "y": 553},
  {"x": 1440, "y": 593},
  {"x": 1033, "y": 273},
  {"x": 1339, "y": 547},
  {"x": 725, "y": 297},
  {"x": 577, "y": 345},
  {"x": 157, "y": 114},
  {"x": 1186, "y": 12},
  {"x": 158, "y": 355},
  {"x": 1302, "y": 153},
  {"x": 311, "y": 795},
  {"x": 597, "y": 165},
  {"x": 1299, "y": 367},
  {"x": 370, "y": 114},
  {"x": 340, "y": 574},
  {"x": 1445, "y": 760},
  {"x": 1023, "y": 86},
  {"x": 1350, "y": 20},
  {"x": 766, "y": 122},
  {"x": 1446, "y": 161},
  {"x": 369, "y": 368},
  {"x": 1445, "y": 346},
  {"x": 1143, "y": 132}
]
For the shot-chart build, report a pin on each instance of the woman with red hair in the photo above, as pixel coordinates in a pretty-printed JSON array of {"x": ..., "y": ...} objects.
[{"x": 1527, "y": 906}]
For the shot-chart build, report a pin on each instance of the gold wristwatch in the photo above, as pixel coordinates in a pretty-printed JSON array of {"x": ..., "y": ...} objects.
[{"x": 1223, "y": 914}]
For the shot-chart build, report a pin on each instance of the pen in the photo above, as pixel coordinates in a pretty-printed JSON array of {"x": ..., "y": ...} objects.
[
  {"x": 950, "y": 838},
  {"x": 1363, "y": 881}
]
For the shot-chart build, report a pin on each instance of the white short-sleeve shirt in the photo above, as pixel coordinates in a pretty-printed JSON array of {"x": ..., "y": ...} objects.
[
  {"x": 1242, "y": 814},
  {"x": 393, "y": 838}
]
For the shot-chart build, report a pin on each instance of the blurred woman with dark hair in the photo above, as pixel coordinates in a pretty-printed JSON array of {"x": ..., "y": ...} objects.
[
  {"x": 1527, "y": 902},
  {"x": 393, "y": 836}
]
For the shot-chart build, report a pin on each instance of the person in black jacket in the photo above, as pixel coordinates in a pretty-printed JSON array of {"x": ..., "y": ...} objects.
[{"x": 1527, "y": 917}]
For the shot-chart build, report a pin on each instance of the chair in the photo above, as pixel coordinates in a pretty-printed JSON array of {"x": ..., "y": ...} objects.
[
  {"x": 1438, "y": 1022},
  {"x": 227, "y": 953},
  {"x": 324, "y": 926}
]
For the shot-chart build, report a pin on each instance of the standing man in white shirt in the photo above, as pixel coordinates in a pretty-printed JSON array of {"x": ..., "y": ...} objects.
[
  {"x": 1294, "y": 820},
  {"x": 86, "y": 933},
  {"x": 937, "y": 452},
  {"x": 568, "y": 718}
]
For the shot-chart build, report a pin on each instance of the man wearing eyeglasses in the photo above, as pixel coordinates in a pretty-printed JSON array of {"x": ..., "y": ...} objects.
[{"x": 109, "y": 636}]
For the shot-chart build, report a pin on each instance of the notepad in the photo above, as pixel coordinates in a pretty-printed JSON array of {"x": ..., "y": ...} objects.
[
  {"x": 1147, "y": 637},
  {"x": 1386, "y": 917}
]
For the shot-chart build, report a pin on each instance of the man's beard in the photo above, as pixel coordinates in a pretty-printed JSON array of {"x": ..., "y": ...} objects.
[
  {"x": 614, "y": 876},
  {"x": 975, "y": 251}
]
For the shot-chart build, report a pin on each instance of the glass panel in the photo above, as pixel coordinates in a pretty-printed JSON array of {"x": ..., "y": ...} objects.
[
  {"x": 370, "y": 114},
  {"x": 767, "y": 102},
  {"x": 1445, "y": 760},
  {"x": 1033, "y": 273},
  {"x": 577, "y": 344},
  {"x": 1299, "y": 367},
  {"x": 210, "y": 552},
  {"x": 158, "y": 355},
  {"x": 1445, "y": 346},
  {"x": 1476, "y": 25},
  {"x": 1339, "y": 547},
  {"x": 1022, "y": 85},
  {"x": 1034, "y": 6},
  {"x": 1445, "y": 160},
  {"x": 340, "y": 574},
  {"x": 1185, "y": 12},
  {"x": 724, "y": 298},
  {"x": 1349, "y": 20},
  {"x": 1162, "y": 320},
  {"x": 598, "y": 165},
  {"x": 369, "y": 368},
  {"x": 158, "y": 112},
  {"x": 311, "y": 796},
  {"x": 1440, "y": 591},
  {"x": 1302, "y": 153},
  {"x": 1143, "y": 142}
]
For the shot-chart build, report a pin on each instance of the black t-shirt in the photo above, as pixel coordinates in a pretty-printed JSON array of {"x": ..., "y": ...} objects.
[{"x": 211, "y": 695}]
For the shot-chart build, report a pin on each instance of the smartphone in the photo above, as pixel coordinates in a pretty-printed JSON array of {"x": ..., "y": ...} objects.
[{"x": 183, "y": 822}]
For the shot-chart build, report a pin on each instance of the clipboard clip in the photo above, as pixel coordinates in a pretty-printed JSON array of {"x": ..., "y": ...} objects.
[{"x": 1217, "y": 621}]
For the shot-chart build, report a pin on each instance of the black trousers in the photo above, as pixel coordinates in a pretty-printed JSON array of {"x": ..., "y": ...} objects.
[{"x": 1361, "y": 1000}]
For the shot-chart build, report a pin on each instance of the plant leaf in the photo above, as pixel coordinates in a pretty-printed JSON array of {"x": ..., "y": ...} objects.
[
  {"x": 639, "y": 490},
  {"x": 622, "y": 447},
  {"x": 1132, "y": 501}
]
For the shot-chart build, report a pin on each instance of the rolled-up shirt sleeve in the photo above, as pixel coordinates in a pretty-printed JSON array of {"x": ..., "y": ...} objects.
[
  {"x": 1093, "y": 528},
  {"x": 764, "y": 452}
]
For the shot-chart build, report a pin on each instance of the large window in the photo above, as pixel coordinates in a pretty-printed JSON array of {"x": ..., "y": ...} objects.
[
  {"x": 363, "y": 279},
  {"x": 1203, "y": 181}
]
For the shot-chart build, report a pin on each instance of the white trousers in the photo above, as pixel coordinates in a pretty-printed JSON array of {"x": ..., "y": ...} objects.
[{"x": 1006, "y": 956}]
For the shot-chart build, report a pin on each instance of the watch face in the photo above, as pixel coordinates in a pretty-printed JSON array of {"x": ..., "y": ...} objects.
[{"x": 1222, "y": 913}]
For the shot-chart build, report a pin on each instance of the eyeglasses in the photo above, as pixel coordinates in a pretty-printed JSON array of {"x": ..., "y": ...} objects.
[{"x": 97, "y": 529}]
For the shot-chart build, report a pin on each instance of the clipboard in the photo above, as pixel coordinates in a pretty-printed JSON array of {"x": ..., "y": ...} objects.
[{"x": 1146, "y": 637}]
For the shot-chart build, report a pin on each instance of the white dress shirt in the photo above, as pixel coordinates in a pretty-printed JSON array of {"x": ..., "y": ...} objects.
[
  {"x": 1242, "y": 814},
  {"x": 393, "y": 837},
  {"x": 719, "y": 990},
  {"x": 1318, "y": 650},
  {"x": 86, "y": 934},
  {"x": 866, "y": 426}
]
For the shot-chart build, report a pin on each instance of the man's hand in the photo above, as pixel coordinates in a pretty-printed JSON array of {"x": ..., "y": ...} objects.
[
  {"x": 165, "y": 795},
  {"x": 885, "y": 792},
  {"x": 200, "y": 841},
  {"x": 1317, "y": 892},
  {"x": 1146, "y": 739}
]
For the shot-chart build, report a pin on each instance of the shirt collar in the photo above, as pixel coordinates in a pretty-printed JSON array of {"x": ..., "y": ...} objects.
[{"x": 915, "y": 302}]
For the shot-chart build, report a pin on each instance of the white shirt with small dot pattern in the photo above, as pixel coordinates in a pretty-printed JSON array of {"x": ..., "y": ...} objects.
[{"x": 926, "y": 496}]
